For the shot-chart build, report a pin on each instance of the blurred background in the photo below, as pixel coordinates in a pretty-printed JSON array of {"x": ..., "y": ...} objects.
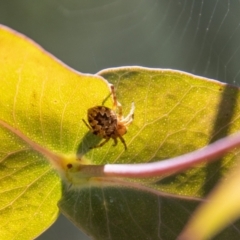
[{"x": 200, "y": 37}]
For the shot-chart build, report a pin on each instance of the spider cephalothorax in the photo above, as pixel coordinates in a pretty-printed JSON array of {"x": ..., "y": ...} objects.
[{"x": 109, "y": 123}]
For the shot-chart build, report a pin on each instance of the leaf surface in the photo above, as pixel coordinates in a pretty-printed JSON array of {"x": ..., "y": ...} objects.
[
  {"x": 46, "y": 101},
  {"x": 176, "y": 113}
]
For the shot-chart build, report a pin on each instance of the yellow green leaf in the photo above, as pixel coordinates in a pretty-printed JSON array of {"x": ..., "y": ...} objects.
[
  {"x": 46, "y": 101},
  {"x": 176, "y": 113}
]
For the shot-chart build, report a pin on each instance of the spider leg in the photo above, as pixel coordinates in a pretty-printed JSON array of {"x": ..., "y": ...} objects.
[
  {"x": 116, "y": 105},
  {"x": 115, "y": 141},
  {"x": 87, "y": 125},
  {"x": 115, "y": 102},
  {"x": 119, "y": 111},
  {"x": 123, "y": 141},
  {"x": 114, "y": 96},
  {"x": 129, "y": 118},
  {"x": 101, "y": 144}
]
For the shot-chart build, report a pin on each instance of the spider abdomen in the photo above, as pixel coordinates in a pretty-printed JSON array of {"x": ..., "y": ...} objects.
[{"x": 103, "y": 121}]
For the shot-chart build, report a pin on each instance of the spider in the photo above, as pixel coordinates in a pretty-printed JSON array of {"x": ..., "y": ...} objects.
[{"x": 109, "y": 123}]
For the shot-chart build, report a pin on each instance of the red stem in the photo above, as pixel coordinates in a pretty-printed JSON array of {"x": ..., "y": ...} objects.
[{"x": 180, "y": 163}]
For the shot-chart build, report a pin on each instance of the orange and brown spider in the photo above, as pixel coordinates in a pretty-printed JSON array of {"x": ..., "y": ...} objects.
[{"x": 109, "y": 123}]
